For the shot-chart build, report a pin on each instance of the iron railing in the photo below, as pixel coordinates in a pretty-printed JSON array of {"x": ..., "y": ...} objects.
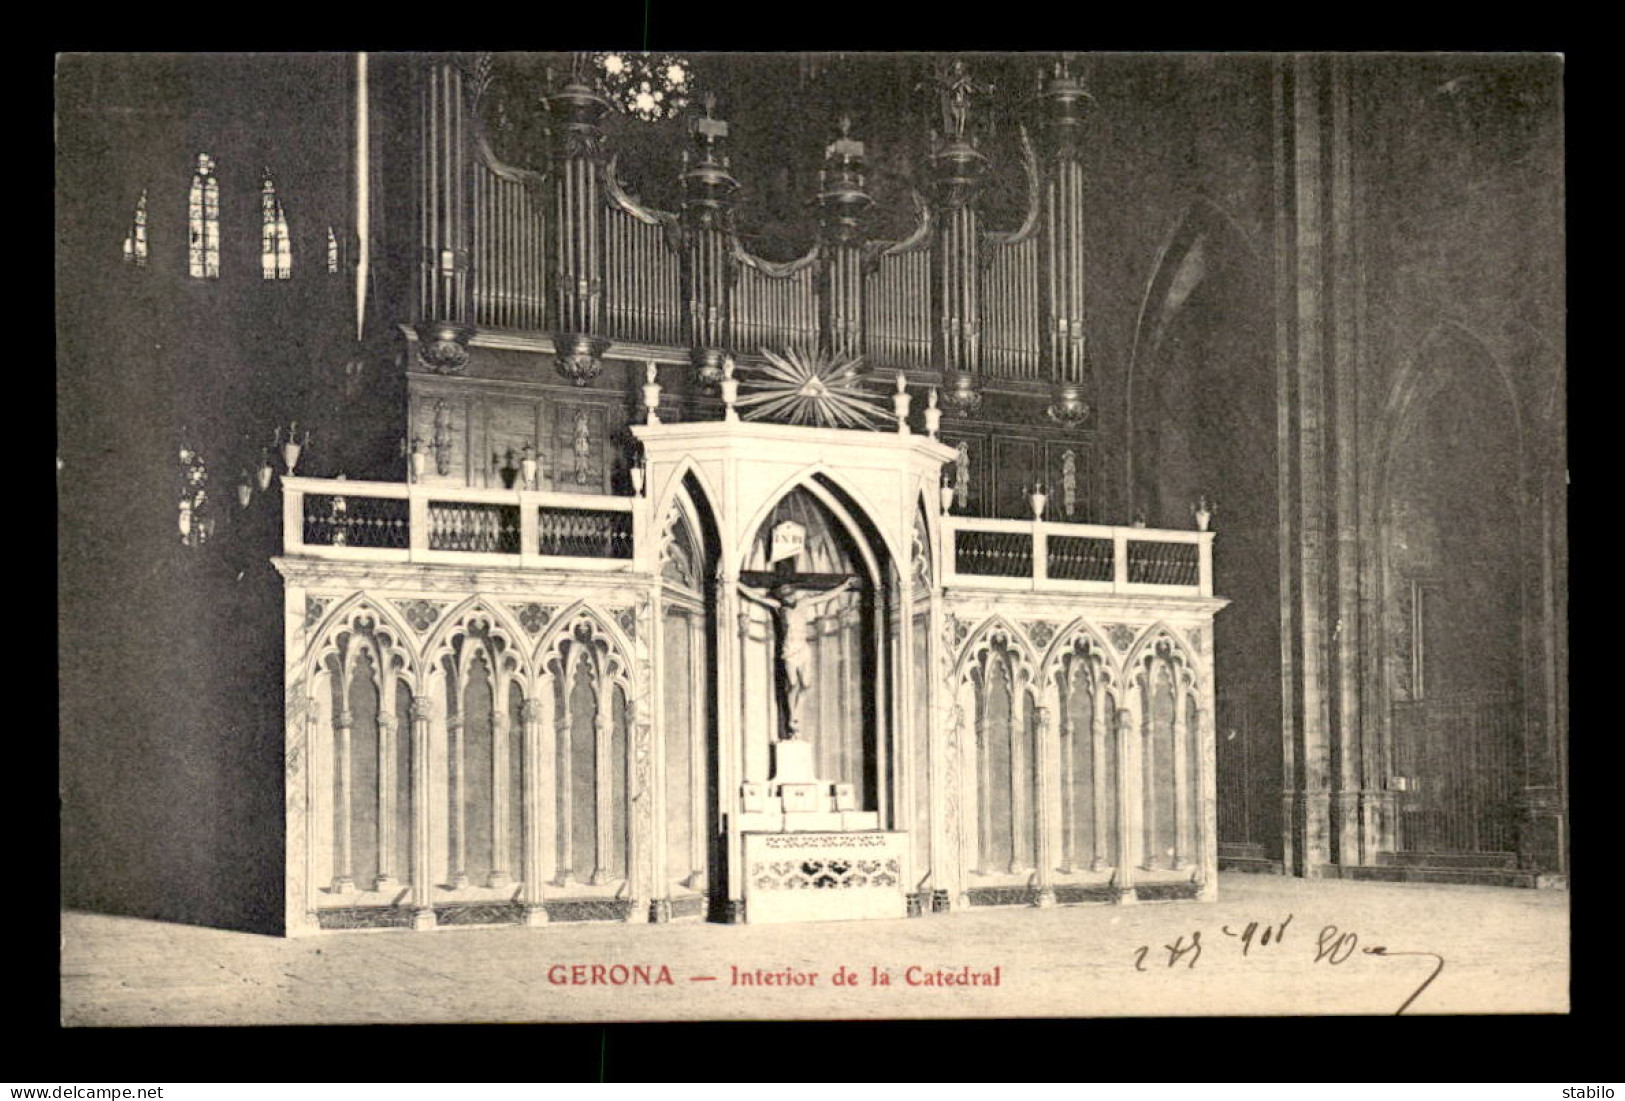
[{"x": 1457, "y": 768}]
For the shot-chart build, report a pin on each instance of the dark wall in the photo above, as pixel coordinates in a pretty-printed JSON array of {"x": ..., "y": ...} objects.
[{"x": 170, "y": 657}]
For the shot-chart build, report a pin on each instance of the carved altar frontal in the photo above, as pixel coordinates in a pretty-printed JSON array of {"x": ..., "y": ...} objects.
[{"x": 824, "y": 876}]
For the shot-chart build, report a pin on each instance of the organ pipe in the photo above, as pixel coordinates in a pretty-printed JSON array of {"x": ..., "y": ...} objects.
[
  {"x": 708, "y": 191},
  {"x": 577, "y": 273},
  {"x": 1064, "y": 346}
]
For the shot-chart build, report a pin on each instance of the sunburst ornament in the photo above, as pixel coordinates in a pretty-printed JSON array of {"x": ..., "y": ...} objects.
[{"x": 806, "y": 386}]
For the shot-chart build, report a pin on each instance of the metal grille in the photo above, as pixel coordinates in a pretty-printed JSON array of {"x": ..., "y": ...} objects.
[
  {"x": 1079, "y": 558},
  {"x": 1456, "y": 758},
  {"x": 994, "y": 553},
  {"x": 334, "y": 521},
  {"x": 578, "y": 533},
  {"x": 1163, "y": 563},
  {"x": 475, "y": 528}
]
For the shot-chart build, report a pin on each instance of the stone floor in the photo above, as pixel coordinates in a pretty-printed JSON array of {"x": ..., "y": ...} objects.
[{"x": 1504, "y": 950}]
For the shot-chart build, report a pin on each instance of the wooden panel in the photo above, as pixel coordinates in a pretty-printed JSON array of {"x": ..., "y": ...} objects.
[
  {"x": 454, "y": 414},
  {"x": 510, "y": 425},
  {"x": 969, "y": 474},
  {"x": 1071, "y": 484},
  {"x": 1015, "y": 459},
  {"x": 579, "y": 441}
]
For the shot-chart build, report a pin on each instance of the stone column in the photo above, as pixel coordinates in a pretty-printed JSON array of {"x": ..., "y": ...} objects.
[
  {"x": 1148, "y": 771},
  {"x": 650, "y": 713},
  {"x": 456, "y": 854},
  {"x": 603, "y": 784},
  {"x": 728, "y": 731},
  {"x": 1019, "y": 792},
  {"x": 499, "y": 793},
  {"x": 1182, "y": 783},
  {"x": 564, "y": 843},
  {"x": 314, "y": 831},
  {"x": 1068, "y": 798},
  {"x": 903, "y": 730},
  {"x": 697, "y": 816},
  {"x": 537, "y": 796},
  {"x": 1098, "y": 715},
  {"x": 1044, "y": 843},
  {"x": 386, "y": 795},
  {"x": 343, "y": 877},
  {"x": 422, "y": 839},
  {"x": 984, "y": 787},
  {"x": 1129, "y": 808}
]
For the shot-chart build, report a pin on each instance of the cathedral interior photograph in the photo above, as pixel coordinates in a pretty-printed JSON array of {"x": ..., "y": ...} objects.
[{"x": 942, "y": 503}]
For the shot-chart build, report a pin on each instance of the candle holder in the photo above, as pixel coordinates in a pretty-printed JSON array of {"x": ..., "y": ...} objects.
[
  {"x": 730, "y": 389},
  {"x": 933, "y": 415},
  {"x": 1202, "y": 512},
  {"x": 960, "y": 392},
  {"x": 292, "y": 447},
  {"x": 263, "y": 476},
  {"x": 651, "y": 392},
  {"x": 900, "y": 402},
  {"x": 418, "y": 460}
]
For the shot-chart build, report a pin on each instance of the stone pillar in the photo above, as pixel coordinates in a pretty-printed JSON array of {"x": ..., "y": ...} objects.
[
  {"x": 1148, "y": 770},
  {"x": 1067, "y": 796},
  {"x": 456, "y": 854},
  {"x": 650, "y": 713},
  {"x": 697, "y": 817},
  {"x": 903, "y": 731},
  {"x": 1044, "y": 842},
  {"x": 536, "y": 786},
  {"x": 500, "y": 842},
  {"x": 1020, "y": 792},
  {"x": 1129, "y": 807},
  {"x": 565, "y": 801},
  {"x": 422, "y": 839},
  {"x": 728, "y": 732},
  {"x": 386, "y": 795},
  {"x": 314, "y": 831},
  {"x": 1099, "y": 715},
  {"x": 343, "y": 877},
  {"x": 984, "y": 788},
  {"x": 1183, "y": 800},
  {"x": 603, "y": 784}
]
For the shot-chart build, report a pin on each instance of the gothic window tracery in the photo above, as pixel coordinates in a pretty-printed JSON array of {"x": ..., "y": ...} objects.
[
  {"x": 203, "y": 221},
  {"x": 646, "y": 86},
  {"x": 135, "y": 244},
  {"x": 276, "y": 250}
]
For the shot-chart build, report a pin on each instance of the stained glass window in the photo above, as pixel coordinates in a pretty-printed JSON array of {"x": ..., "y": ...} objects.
[
  {"x": 203, "y": 219},
  {"x": 276, "y": 251},
  {"x": 196, "y": 519},
  {"x": 135, "y": 245},
  {"x": 646, "y": 86},
  {"x": 332, "y": 252}
]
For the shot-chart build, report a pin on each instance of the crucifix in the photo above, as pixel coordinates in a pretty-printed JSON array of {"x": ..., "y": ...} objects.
[{"x": 793, "y": 598}]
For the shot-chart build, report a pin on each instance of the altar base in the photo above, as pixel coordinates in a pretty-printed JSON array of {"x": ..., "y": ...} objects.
[{"x": 832, "y": 876}]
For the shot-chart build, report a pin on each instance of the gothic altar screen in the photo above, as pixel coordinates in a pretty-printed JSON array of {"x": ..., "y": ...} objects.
[{"x": 832, "y": 583}]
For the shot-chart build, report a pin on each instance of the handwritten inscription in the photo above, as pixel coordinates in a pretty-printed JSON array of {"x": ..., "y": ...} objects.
[{"x": 1332, "y": 947}]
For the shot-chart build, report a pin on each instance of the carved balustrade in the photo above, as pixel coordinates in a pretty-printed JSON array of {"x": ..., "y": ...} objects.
[{"x": 395, "y": 522}]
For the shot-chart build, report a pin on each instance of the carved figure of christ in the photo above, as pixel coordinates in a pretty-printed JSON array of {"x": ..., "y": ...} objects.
[{"x": 794, "y": 608}]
